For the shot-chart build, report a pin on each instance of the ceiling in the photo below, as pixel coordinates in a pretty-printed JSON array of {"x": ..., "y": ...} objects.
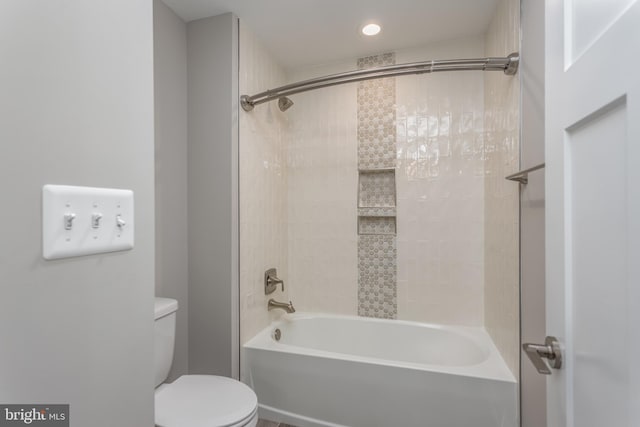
[{"x": 305, "y": 32}]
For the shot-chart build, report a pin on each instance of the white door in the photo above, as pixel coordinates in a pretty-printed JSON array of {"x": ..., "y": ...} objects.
[{"x": 593, "y": 211}]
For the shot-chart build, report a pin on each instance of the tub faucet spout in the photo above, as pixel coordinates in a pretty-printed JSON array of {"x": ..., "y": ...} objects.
[{"x": 273, "y": 304}]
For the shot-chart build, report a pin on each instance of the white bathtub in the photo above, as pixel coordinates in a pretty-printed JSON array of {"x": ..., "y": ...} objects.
[{"x": 330, "y": 370}]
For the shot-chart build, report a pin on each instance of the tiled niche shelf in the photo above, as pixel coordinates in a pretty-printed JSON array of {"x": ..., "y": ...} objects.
[
  {"x": 377, "y": 188},
  {"x": 377, "y": 202},
  {"x": 376, "y": 225},
  {"x": 375, "y": 211}
]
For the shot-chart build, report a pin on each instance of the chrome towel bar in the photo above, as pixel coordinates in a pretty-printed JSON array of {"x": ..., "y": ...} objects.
[{"x": 523, "y": 176}]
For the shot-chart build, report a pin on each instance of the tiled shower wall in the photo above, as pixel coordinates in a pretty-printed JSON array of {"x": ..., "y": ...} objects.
[
  {"x": 502, "y": 147},
  {"x": 322, "y": 169},
  {"x": 263, "y": 188},
  {"x": 439, "y": 187}
]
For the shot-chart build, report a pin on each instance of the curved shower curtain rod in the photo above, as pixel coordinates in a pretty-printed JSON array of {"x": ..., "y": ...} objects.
[{"x": 509, "y": 65}]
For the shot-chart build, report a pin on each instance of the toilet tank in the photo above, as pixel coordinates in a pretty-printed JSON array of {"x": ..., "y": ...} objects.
[{"x": 164, "y": 337}]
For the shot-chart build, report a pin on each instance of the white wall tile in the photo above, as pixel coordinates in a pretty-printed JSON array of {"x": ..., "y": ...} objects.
[
  {"x": 263, "y": 188},
  {"x": 440, "y": 189},
  {"x": 322, "y": 172},
  {"x": 502, "y": 157}
]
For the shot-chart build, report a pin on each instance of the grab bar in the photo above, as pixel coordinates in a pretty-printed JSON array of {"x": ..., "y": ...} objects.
[{"x": 523, "y": 176}]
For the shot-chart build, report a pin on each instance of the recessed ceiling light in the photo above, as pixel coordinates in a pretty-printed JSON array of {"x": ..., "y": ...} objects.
[{"x": 371, "y": 29}]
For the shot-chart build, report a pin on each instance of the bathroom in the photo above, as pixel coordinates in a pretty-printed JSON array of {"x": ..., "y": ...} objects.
[{"x": 145, "y": 95}]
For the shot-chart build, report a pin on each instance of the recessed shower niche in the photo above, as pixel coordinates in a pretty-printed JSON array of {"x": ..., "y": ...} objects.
[
  {"x": 377, "y": 202},
  {"x": 377, "y": 188}
]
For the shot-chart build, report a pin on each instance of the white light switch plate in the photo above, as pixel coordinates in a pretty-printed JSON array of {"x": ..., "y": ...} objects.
[{"x": 80, "y": 221}]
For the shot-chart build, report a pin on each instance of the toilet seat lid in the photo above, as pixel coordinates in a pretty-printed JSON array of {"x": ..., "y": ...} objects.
[{"x": 204, "y": 401}]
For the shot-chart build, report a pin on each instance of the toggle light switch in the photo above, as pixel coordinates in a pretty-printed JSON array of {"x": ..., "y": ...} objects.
[
  {"x": 68, "y": 220},
  {"x": 120, "y": 222},
  {"x": 95, "y": 220}
]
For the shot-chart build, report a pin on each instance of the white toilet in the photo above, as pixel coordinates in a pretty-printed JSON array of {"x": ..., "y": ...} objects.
[{"x": 195, "y": 400}]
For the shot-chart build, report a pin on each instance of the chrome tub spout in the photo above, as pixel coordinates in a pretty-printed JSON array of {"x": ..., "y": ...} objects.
[{"x": 288, "y": 307}]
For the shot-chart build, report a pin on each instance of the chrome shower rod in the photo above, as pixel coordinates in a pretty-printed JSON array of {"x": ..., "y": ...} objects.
[{"x": 508, "y": 65}]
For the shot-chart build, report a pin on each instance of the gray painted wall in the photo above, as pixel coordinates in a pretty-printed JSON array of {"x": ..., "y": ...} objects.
[
  {"x": 76, "y": 108},
  {"x": 170, "y": 68},
  {"x": 532, "y": 204},
  {"x": 212, "y": 180}
]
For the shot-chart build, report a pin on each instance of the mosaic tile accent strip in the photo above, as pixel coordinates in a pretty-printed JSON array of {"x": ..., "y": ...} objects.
[
  {"x": 377, "y": 189},
  {"x": 377, "y": 293},
  {"x": 377, "y": 289},
  {"x": 377, "y": 211},
  {"x": 376, "y": 225},
  {"x": 381, "y": 60},
  {"x": 376, "y": 116}
]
